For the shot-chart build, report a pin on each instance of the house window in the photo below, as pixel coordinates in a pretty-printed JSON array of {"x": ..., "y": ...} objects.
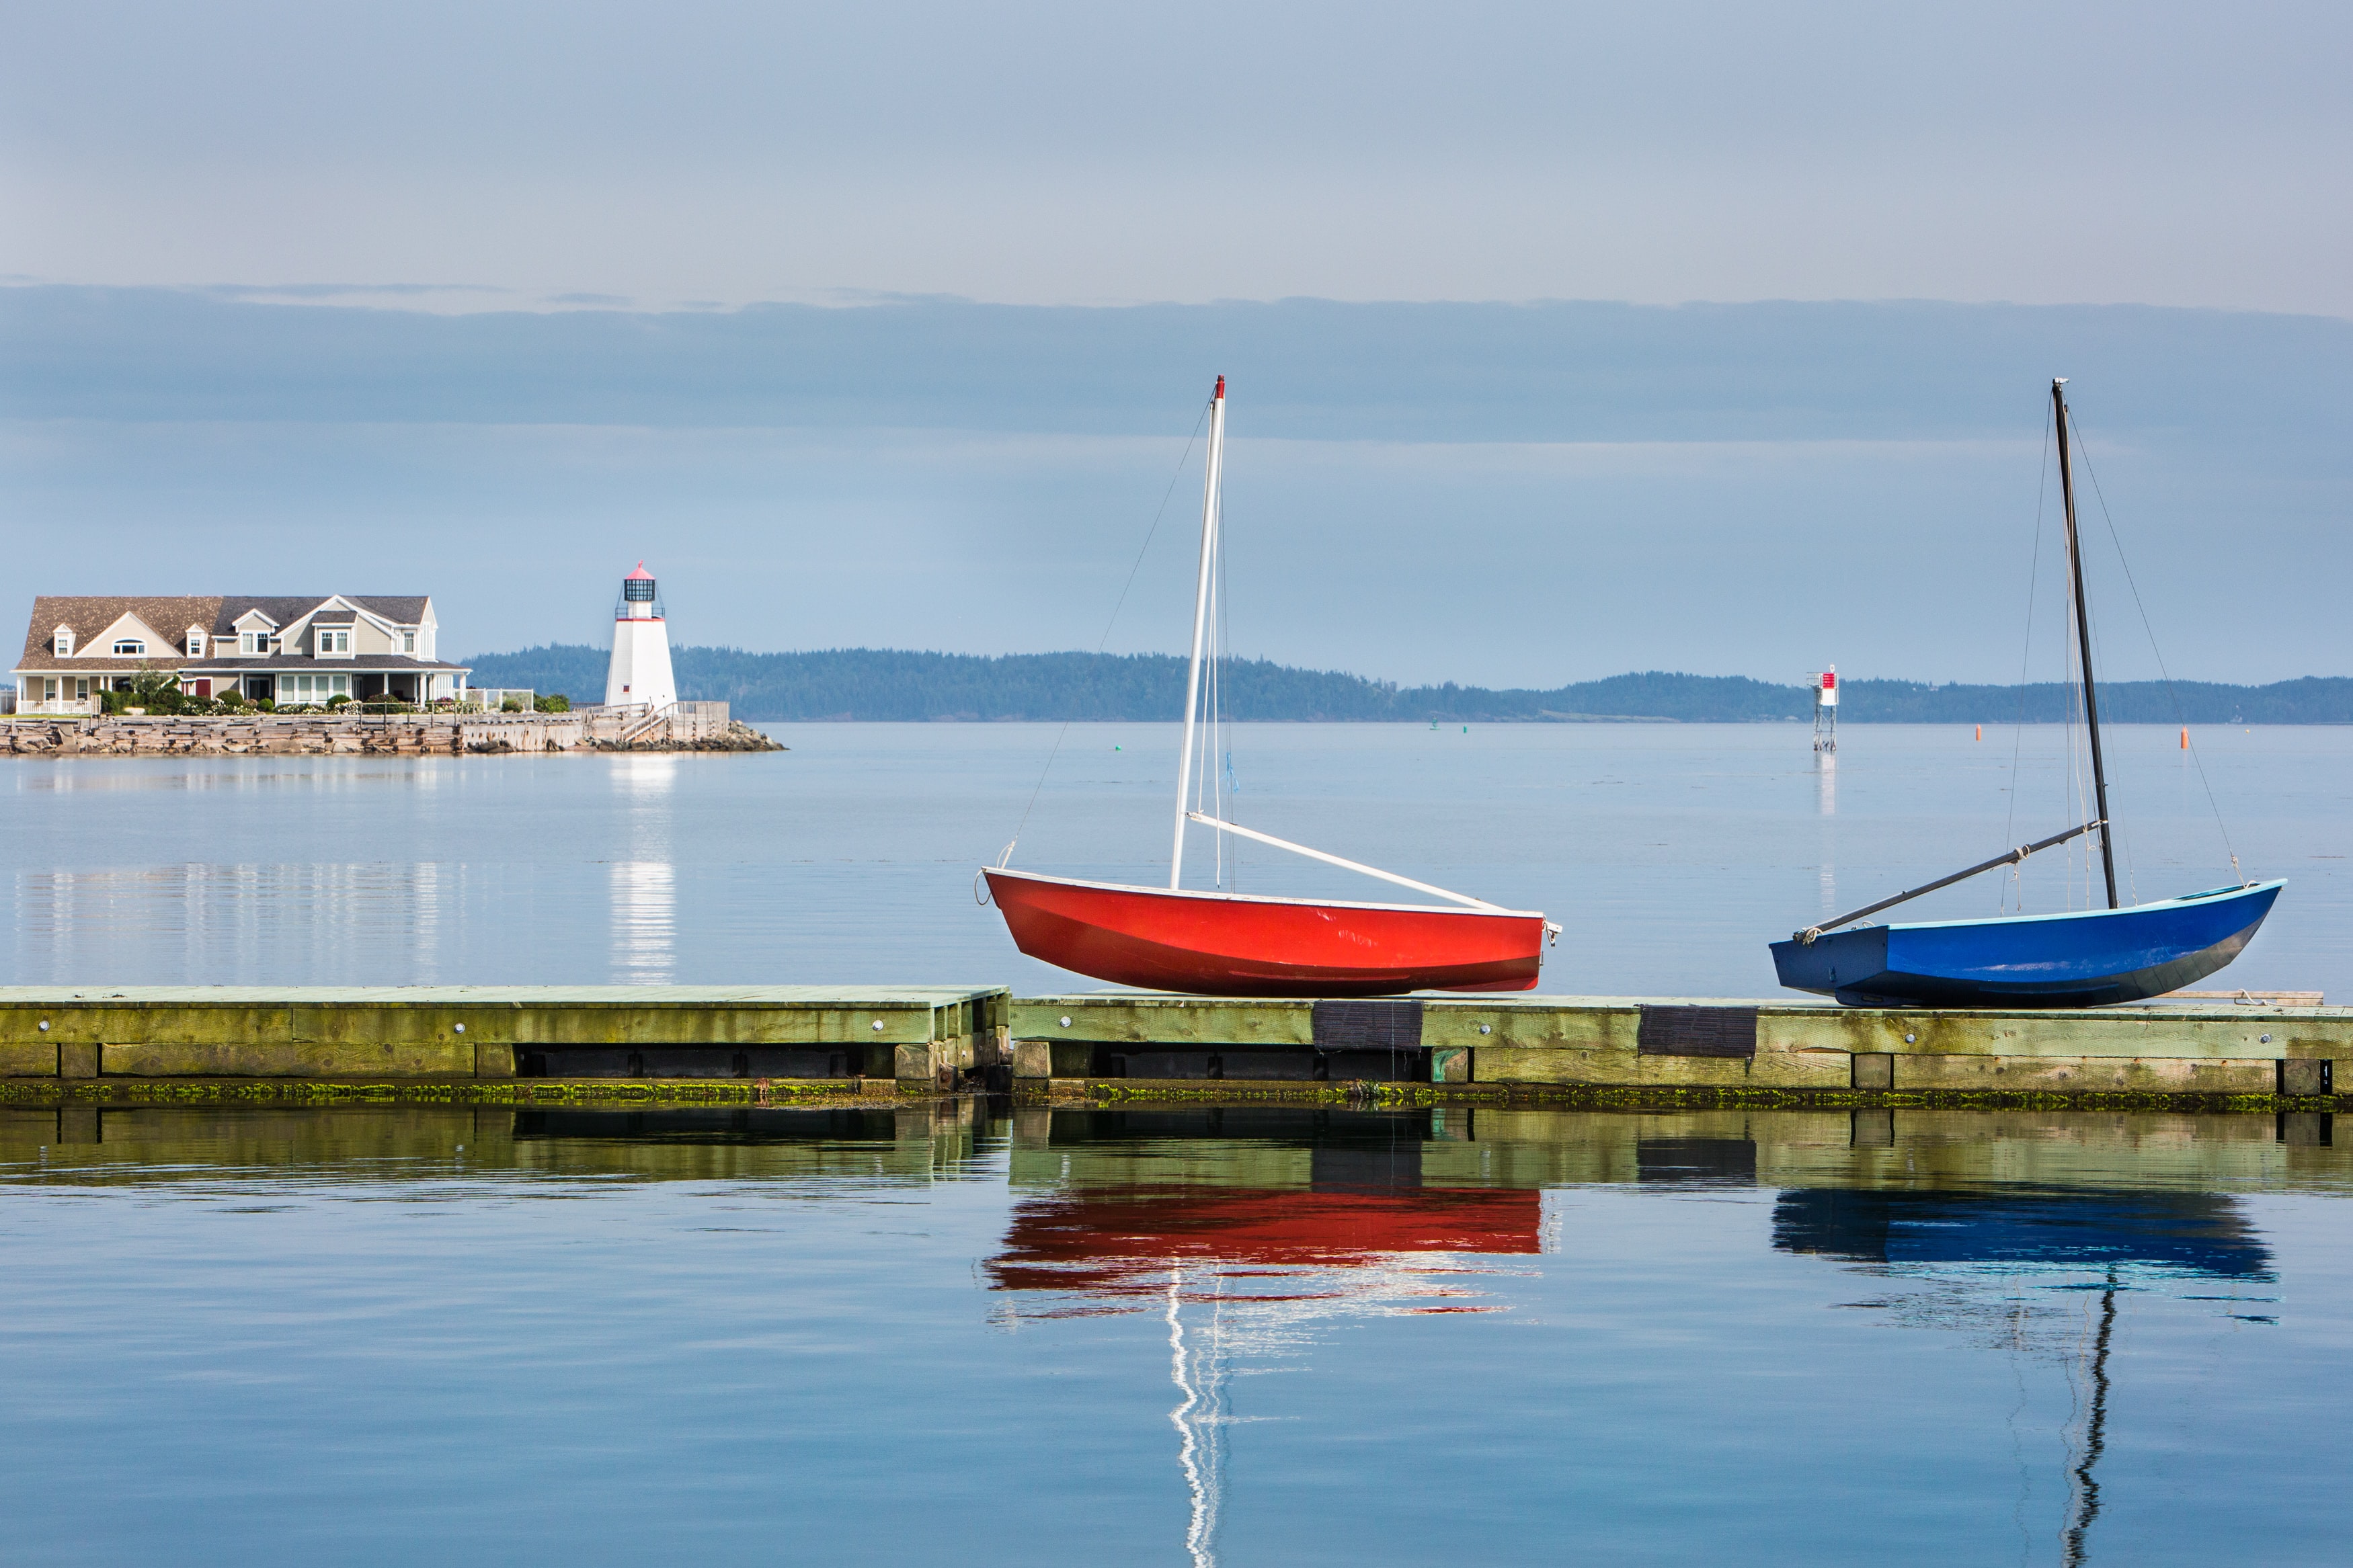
[
  {"x": 48, "y": 691},
  {"x": 129, "y": 646},
  {"x": 195, "y": 642},
  {"x": 313, "y": 688},
  {"x": 63, "y": 638},
  {"x": 81, "y": 689},
  {"x": 409, "y": 642},
  {"x": 253, "y": 642},
  {"x": 333, "y": 641}
]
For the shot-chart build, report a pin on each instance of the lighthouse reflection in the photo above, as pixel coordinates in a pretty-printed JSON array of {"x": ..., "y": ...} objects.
[
  {"x": 645, "y": 922},
  {"x": 644, "y": 893}
]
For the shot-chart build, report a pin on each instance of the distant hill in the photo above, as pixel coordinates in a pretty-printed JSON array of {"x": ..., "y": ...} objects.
[{"x": 893, "y": 684}]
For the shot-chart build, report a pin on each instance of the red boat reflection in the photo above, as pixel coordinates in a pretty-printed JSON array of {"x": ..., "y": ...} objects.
[{"x": 1124, "y": 1246}]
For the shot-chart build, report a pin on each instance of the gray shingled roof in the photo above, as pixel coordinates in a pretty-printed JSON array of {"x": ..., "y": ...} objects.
[
  {"x": 88, "y": 615},
  {"x": 404, "y": 612}
]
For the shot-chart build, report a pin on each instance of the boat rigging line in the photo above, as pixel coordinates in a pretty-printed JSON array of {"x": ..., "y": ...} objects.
[
  {"x": 1222, "y": 944},
  {"x": 1212, "y": 490},
  {"x": 2026, "y": 652},
  {"x": 2086, "y": 689},
  {"x": 1104, "y": 641},
  {"x": 1222, "y": 733},
  {"x": 2064, "y": 959},
  {"x": 1199, "y": 781},
  {"x": 2148, "y": 628},
  {"x": 2084, "y": 638},
  {"x": 1551, "y": 928},
  {"x": 2013, "y": 858}
]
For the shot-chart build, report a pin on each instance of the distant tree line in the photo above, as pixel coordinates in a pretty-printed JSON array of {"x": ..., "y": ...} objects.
[{"x": 892, "y": 684}]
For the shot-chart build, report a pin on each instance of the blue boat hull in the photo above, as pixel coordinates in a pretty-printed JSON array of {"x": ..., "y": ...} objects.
[{"x": 2087, "y": 959}]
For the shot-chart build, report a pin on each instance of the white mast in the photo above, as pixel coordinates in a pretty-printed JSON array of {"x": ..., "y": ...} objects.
[{"x": 1200, "y": 616}]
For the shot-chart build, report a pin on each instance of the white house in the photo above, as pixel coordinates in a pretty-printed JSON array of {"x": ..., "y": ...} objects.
[{"x": 291, "y": 650}]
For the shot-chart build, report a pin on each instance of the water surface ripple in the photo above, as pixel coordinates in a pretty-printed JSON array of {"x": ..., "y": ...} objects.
[{"x": 1243, "y": 1335}]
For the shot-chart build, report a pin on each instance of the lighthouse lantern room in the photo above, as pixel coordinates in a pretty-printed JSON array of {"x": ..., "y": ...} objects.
[{"x": 639, "y": 675}]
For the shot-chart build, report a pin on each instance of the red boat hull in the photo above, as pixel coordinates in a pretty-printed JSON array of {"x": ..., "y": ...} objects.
[{"x": 1224, "y": 945}]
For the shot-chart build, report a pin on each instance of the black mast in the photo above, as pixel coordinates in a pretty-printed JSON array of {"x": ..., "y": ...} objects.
[{"x": 2083, "y": 639}]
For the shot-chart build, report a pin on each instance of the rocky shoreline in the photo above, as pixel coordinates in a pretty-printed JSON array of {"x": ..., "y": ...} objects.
[{"x": 691, "y": 727}]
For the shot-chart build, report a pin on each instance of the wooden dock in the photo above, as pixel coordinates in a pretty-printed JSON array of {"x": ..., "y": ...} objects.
[
  {"x": 766, "y": 1045},
  {"x": 1119, "y": 1045},
  {"x": 96, "y": 1039}
]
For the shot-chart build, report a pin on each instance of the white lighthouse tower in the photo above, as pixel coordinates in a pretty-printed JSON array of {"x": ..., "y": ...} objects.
[{"x": 639, "y": 674}]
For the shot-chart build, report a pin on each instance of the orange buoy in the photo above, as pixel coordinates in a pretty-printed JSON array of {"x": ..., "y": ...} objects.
[
  {"x": 2185, "y": 737},
  {"x": 1980, "y": 732}
]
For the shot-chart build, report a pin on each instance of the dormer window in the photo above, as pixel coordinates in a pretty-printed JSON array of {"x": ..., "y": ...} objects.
[
  {"x": 252, "y": 643},
  {"x": 62, "y": 639},
  {"x": 331, "y": 640},
  {"x": 408, "y": 640},
  {"x": 195, "y": 642},
  {"x": 129, "y": 647}
]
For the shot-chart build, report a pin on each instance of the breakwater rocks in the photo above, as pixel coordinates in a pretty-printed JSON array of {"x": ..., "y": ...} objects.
[
  {"x": 737, "y": 736},
  {"x": 688, "y": 727}
]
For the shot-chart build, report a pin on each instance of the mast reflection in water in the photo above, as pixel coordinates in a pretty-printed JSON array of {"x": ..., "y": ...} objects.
[
  {"x": 1244, "y": 1245},
  {"x": 1968, "y": 1243}
]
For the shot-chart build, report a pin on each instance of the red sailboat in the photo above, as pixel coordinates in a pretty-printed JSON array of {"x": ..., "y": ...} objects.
[{"x": 1233, "y": 944}]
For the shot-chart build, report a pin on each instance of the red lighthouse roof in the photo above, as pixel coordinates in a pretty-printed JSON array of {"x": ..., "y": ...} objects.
[{"x": 640, "y": 574}]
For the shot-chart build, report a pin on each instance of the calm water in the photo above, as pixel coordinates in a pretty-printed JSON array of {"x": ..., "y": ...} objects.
[
  {"x": 967, "y": 1334},
  {"x": 1671, "y": 853}
]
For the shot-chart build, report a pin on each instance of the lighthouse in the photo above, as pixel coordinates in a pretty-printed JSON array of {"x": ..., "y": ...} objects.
[{"x": 639, "y": 674}]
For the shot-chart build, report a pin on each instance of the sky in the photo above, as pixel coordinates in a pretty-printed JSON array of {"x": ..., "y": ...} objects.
[
  {"x": 1565, "y": 340},
  {"x": 1084, "y": 153}
]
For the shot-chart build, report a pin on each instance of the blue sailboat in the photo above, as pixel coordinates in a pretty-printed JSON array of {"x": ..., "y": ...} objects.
[{"x": 2082, "y": 958}]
